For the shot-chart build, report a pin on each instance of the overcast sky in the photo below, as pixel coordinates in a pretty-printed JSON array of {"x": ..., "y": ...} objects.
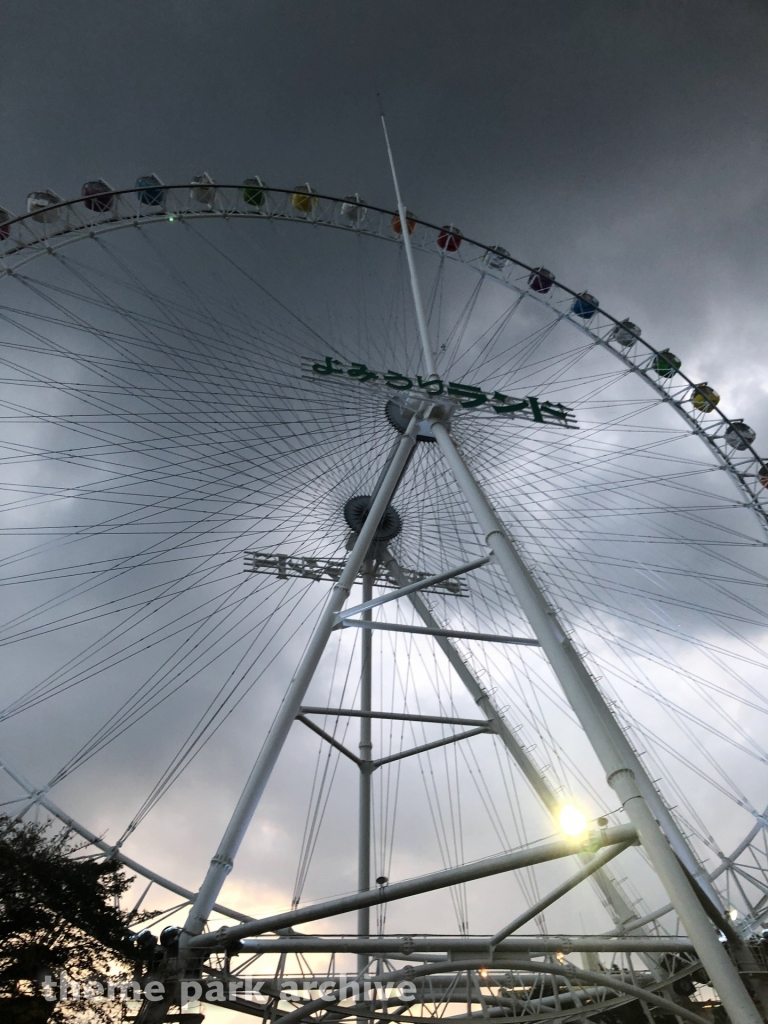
[{"x": 621, "y": 143}]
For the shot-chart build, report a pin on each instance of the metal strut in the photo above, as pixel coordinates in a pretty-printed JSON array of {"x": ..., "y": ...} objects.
[
  {"x": 624, "y": 770},
  {"x": 221, "y": 864},
  {"x": 622, "y": 911},
  {"x": 365, "y": 780},
  {"x": 443, "y": 879},
  {"x": 622, "y": 766}
]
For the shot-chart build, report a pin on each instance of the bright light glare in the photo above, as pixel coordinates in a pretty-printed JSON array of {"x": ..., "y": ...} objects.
[
  {"x": 572, "y": 821},
  {"x": 733, "y": 914}
]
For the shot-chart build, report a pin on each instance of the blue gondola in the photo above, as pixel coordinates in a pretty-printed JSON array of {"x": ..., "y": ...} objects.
[
  {"x": 150, "y": 190},
  {"x": 585, "y": 306}
]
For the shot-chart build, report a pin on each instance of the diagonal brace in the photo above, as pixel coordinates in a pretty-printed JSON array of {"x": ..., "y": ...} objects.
[
  {"x": 443, "y": 879},
  {"x": 396, "y": 716},
  {"x": 330, "y": 739},
  {"x": 589, "y": 869},
  {"x": 456, "y": 634},
  {"x": 411, "y": 588},
  {"x": 431, "y": 746}
]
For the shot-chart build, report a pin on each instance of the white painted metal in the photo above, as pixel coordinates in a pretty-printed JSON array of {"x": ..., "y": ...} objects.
[
  {"x": 622, "y": 910},
  {"x": 429, "y": 358},
  {"x": 622, "y": 766},
  {"x": 394, "y": 944},
  {"x": 539, "y": 854},
  {"x": 411, "y": 588},
  {"x": 397, "y": 716},
  {"x": 365, "y": 751},
  {"x": 458, "y": 634},
  {"x": 546, "y": 901},
  {"x": 221, "y": 864}
]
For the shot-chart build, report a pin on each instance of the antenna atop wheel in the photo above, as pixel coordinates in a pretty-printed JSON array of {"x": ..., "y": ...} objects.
[{"x": 421, "y": 320}]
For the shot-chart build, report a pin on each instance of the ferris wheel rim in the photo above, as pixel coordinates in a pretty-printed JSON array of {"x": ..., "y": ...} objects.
[
  {"x": 115, "y": 853},
  {"x": 71, "y": 235},
  {"x": 98, "y": 223}
]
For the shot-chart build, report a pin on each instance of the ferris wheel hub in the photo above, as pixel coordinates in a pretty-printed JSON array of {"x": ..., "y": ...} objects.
[
  {"x": 356, "y": 512},
  {"x": 400, "y": 411}
]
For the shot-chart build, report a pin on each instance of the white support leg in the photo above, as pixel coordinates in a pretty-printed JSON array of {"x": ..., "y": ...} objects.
[
  {"x": 623, "y": 768},
  {"x": 622, "y": 911},
  {"x": 365, "y": 749},
  {"x": 221, "y": 864},
  {"x": 625, "y": 773}
]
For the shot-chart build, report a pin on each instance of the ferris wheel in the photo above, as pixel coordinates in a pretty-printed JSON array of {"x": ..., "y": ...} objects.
[{"x": 314, "y": 503}]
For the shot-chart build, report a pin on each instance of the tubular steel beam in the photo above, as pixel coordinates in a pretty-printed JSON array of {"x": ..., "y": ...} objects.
[
  {"x": 455, "y": 634},
  {"x": 364, "y": 762},
  {"x": 603, "y": 979},
  {"x": 539, "y": 854},
  {"x": 394, "y": 715},
  {"x": 567, "y": 970},
  {"x": 421, "y": 320},
  {"x": 411, "y": 588},
  {"x": 332, "y": 741},
  {"x": 368, "y": 765},
  {"x": 621, "y": 909},
  {"x": 478, "y": 694},
  {"x": 399, "y": 944},
  {"x": 546, "y": 901},
  {"x": 222, "y": 860},
  {"x": 623, "y": 768},
  {"x": 483, "y": 729},
  {"x": 624, "y": 771}
]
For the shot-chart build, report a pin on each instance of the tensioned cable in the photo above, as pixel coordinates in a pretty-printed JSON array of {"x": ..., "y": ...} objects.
[{"x": 587, "y": 474}]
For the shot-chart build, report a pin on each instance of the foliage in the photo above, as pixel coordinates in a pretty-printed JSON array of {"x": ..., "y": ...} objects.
[{"x": 58, "y": 914}]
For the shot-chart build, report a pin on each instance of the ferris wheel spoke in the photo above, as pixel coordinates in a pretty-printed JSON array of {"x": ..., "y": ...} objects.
[{"x": 161, "y": 418}]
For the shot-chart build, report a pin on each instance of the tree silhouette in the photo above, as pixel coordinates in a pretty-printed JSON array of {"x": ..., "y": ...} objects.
[{"x": 59, "y": 916}]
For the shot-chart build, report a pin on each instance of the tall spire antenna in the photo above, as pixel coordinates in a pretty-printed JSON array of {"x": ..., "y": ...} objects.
[{"x": 421, "y": 320}]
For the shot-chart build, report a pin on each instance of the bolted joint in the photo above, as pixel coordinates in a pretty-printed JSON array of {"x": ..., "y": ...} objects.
[
  {"x": 622, "y": 781},
  {"x": 627, "y": 772},
  {"x": 222, "y": 862},
  {"x": 220, "y": 943}
]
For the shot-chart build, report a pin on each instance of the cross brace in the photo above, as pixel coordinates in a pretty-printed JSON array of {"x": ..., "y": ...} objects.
[
  {"x": 455, "y": 634},
  {"x": 425, "y": 883},
  {"x": 409, "y": 944},
  {"x": 372, "y": 765},
  {"x": 394, "y": 715},
  {"x": 411, "y": 588}
]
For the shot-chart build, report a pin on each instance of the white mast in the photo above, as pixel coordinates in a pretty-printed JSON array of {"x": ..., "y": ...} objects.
[{"x": 623, "y": 768}]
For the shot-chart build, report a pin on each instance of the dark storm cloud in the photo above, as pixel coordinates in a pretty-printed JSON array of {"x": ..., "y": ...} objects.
[{"x": 622, "y": 144}]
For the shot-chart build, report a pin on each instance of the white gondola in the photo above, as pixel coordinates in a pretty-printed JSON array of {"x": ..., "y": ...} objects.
[
  {"x": 352, "y": 210},
  {"x": 739, "y": 435},
  {"x": 497, "y": 257},
  {"x": 44, "y": 205},
  {"x": 626, "y": 333},
  {"x": 203, "y": 189}
]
